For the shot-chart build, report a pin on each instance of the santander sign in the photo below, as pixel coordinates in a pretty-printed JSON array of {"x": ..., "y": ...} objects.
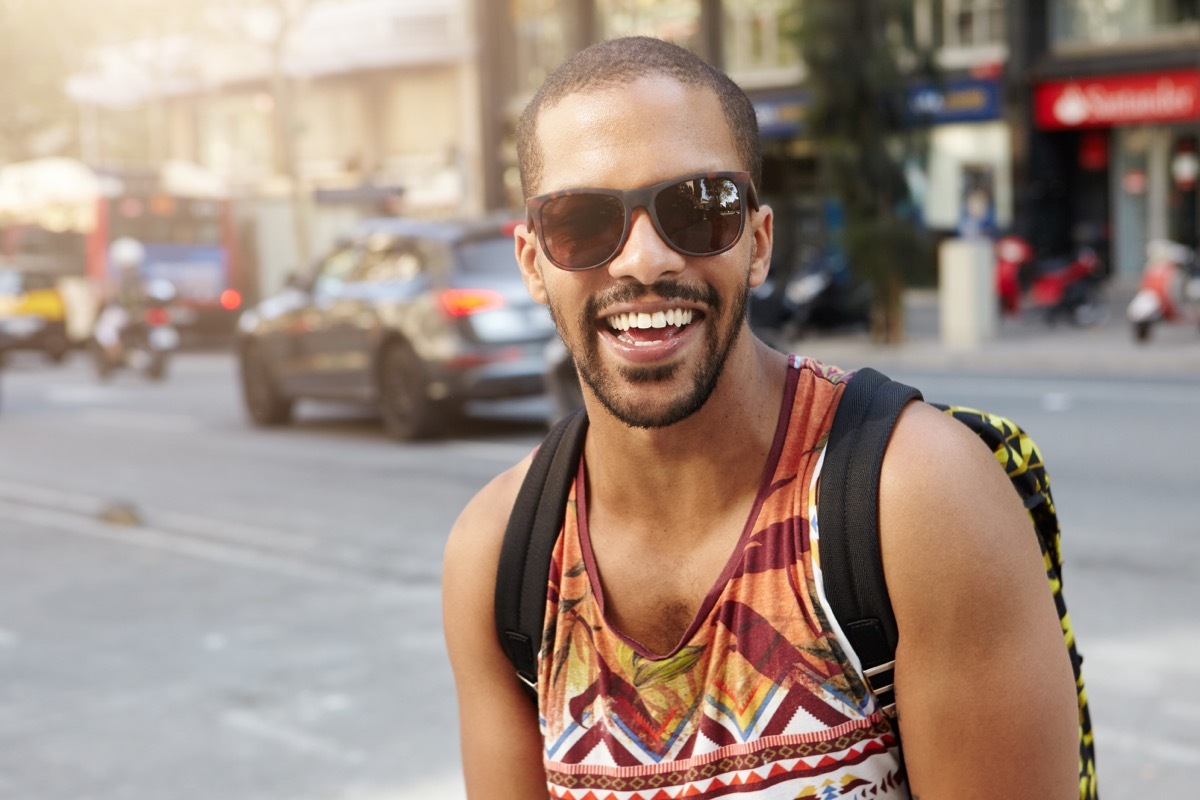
[{"x": 1117, "y": 100}]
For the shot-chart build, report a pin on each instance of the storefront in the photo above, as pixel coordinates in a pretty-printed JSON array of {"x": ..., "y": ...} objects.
[
  {"x": 1127, "y": 147},
  {"x": 968, "y": 173}
]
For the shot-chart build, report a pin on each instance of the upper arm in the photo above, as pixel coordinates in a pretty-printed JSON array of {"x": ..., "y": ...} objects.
[
  {"x": 501, "y": 743},
  {"x": 984, "y": 686}
]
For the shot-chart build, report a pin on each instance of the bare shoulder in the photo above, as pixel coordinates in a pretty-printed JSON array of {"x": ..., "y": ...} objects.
[
  {"x": 983, "y": 679},
  {"x": 948, "y": 512},
  {"x": 473, "y": 547},
  {"x": 501, "y": 745}
]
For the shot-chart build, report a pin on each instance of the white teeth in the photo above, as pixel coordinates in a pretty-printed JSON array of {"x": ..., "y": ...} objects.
[{"x": 677, "y": 317}]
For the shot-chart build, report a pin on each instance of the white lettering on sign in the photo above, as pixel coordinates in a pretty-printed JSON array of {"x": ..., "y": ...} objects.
[{"x": 1097, "y": 103}]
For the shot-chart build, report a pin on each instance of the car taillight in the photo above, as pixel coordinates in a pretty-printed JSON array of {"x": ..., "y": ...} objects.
[
  {"x": 464, "y": 302},
  {"x": 231, "y": 299},
  {"x": 157, "y": 316}
]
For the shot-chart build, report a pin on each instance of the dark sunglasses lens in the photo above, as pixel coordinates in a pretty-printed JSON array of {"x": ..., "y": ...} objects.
[
  {"x": 582, "y": 230},
  {"x": 702, "y": 215}
]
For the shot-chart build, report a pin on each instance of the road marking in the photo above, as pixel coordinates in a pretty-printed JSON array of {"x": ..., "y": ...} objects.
[
  {"x": 145, "y": 536},
  {"x": 291, "y": 737},
  {"x": 241, "y": 537}
]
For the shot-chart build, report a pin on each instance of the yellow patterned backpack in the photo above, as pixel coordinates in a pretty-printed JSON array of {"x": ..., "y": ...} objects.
[{"x": 866, "y": 414}]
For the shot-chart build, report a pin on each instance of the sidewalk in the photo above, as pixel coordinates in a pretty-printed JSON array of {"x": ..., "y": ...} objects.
[{"x": 1027, "y": 346}]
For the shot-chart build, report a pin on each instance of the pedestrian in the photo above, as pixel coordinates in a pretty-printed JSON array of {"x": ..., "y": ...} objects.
[{"x": 688, "y": 650}]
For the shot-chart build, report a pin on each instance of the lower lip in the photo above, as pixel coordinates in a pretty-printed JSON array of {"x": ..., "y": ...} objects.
[{"x": 654, "y": 352}]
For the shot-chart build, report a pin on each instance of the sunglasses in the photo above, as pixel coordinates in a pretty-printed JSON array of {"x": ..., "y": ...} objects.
[{"x": 696, "y": 215}]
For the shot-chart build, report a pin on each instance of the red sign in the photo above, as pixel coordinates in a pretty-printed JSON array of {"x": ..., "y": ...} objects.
[{"x": 1118, "y": 100}]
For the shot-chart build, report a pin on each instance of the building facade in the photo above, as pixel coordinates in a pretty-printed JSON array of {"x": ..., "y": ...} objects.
[
  {"x": 362, "y": 107},
  {"x": 1111, "y": 95},
  {"x": 754, "y": 41}
]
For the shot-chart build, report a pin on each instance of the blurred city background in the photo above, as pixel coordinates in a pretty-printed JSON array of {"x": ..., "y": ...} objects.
[{"x": 221, "y": 547}]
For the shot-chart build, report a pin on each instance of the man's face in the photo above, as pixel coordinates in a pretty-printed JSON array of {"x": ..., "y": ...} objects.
[{"x": 643, "y": 133}]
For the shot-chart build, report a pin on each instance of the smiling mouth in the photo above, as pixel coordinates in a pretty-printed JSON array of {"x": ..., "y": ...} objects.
[{"x": 647, "y": 328}]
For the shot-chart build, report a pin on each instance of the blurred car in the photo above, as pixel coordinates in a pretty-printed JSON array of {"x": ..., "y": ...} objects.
[
  {"x": 562, "y": 382},
  {"x": 32, "y": 313},
  {"x": 417, "y": 317}
]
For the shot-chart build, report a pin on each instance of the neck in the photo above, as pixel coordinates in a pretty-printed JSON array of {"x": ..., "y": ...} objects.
[{"x": 704, "y": 463}]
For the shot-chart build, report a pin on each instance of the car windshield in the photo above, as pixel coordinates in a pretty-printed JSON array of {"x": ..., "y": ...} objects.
[{"x": 494, "y": 256}]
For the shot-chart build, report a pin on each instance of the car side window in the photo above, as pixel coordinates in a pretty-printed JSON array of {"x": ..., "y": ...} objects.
[
  {"x": 336, "y": 269},
  {"x": 398, "y": 262}
]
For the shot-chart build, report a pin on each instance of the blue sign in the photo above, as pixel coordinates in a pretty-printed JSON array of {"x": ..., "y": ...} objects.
[
  {"x": 781, "y": 116},
  {"x": 957, "y": 100}
]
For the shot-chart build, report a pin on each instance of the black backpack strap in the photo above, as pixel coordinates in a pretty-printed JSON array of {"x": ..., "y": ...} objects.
[
  {"x": 533, "y": 527},
  {"x": 848, "y": 523}
]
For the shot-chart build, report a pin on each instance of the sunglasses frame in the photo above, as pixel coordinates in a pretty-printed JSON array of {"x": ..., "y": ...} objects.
[{"x": 633, "y": 199}]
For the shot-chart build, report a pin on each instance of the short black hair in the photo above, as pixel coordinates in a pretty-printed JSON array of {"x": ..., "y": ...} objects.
[{"x": 616, "y": 62}]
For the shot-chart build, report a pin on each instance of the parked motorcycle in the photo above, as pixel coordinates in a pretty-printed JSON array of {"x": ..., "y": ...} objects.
[
  {"x": 1058, "y": 288},
  {"x": 820, "y": 295},
  {"x": 1169, "y": 289},
  {"x": 146, "y": 344}
]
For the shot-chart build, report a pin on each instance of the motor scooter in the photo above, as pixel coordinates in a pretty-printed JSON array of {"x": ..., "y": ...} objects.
[
  {"x": 145, "y": 345},
  {"x": 819, "y": 295},
  {"x": 1058, "y": 288},
  {"x": 1169, "y": 289}
]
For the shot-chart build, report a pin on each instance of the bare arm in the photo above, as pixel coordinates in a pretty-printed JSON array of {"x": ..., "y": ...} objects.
[
  {"x": 501, "y": 744},
  {"x": 984, "y": 687}
]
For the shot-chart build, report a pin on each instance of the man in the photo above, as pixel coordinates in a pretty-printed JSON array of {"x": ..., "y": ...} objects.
[
  {"x": 127, "y": 299},
  {"x": 688, "y": 649}
]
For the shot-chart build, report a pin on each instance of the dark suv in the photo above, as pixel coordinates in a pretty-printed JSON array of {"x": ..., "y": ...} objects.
[{"x": 417, "y": 317}]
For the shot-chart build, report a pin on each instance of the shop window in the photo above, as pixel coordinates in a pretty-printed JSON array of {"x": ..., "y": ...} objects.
[
  {"x": 541, "y": 31},
  {"x": 676, "y": 21},
  {"x": 970, "y": 24},
  {"x": 1097, "y": 22},
  {"x": 760, "y": 42}
]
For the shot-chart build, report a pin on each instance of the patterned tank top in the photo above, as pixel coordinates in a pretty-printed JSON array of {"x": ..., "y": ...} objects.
[{"x": 761, "y": 699}]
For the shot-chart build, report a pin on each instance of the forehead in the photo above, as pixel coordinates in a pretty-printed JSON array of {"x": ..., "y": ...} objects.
[{"x": 648, "y": 130}]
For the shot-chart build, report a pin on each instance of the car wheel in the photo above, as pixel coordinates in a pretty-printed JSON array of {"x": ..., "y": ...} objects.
[
  {"x": 404, "y": 402},
  {"x": 265, "y": 403}
]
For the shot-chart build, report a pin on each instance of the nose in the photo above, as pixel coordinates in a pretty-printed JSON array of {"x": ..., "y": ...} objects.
[{"x": 645, "y": 257}]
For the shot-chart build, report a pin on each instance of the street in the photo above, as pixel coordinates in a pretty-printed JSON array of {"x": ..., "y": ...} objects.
[{"x": 193, "y": 608}]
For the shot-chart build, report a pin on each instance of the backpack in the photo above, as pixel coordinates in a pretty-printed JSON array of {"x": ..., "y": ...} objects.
[{"x": 848, "y": 511}]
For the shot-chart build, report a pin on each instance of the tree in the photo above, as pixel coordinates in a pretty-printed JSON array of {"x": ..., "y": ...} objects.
[
  {"x": 862, "y": 131},
  {"x": 270, "y": 24},
  {"x": 38, "y": 47}
]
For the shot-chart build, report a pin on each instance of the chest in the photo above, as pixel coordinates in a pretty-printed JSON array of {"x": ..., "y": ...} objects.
[{"x": 654, "y": 594}]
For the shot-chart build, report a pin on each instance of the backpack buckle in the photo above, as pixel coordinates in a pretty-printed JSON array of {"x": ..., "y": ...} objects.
[{"x": 887, "y": 669}]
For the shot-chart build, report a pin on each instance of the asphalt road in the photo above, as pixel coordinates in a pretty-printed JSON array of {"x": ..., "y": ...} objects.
[{"x": 269, "y": 626}]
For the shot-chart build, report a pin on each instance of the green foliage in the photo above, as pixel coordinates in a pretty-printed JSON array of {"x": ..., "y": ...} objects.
[{"x": 856, "y": 116}]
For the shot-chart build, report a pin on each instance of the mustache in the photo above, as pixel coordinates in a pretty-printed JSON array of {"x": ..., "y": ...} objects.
[{"x": 666, "y": 289}]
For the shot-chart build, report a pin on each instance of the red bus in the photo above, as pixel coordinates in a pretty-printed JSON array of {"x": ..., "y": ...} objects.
[{"x": 60, "y": 216}]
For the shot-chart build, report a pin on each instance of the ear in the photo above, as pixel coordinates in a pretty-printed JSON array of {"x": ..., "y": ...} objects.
[
  {"x": 527, "y": 260},
  {"x": 762, "y": 234}
]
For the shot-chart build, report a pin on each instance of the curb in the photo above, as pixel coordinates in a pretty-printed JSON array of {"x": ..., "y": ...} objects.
[{"x": 1024, "y": 346}]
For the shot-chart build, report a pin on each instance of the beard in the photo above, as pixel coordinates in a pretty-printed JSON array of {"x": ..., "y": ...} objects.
[{"x": 606, "y": 382}]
